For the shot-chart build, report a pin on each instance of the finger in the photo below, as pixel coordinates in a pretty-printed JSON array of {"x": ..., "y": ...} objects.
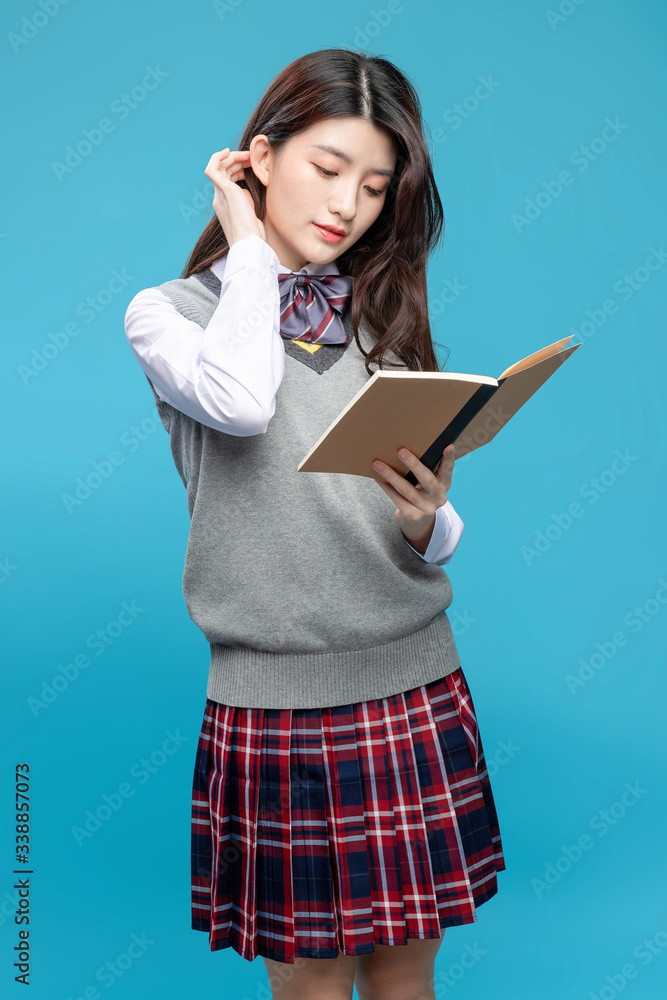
[
  {"x": 217, "y": 158},
  {"x": 446, "y": 460},
  {"x": 225, "y": 169},
  {"x": 401, "y": 502},
  {"x": 400, "y": 484},
  {"x": 446, "y": 463},
  {"x": 233, "y": 156},
  {"x": 225, "y": 159},
  {"x": 424, "y": 475}
]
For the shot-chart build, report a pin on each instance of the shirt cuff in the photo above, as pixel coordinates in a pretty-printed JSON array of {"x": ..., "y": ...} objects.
[
  {"x": 445, "y": 537},
  {"x": 251, "y": 251}
]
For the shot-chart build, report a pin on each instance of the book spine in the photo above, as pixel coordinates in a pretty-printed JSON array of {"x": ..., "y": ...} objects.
[{"x": 433, "y": 453}]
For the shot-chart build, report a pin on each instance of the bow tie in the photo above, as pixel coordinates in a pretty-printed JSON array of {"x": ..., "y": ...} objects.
[{"x": 312, "y": 306}]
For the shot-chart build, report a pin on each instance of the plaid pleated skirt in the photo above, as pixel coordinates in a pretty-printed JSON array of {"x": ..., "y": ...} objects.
[{"x": 326, "y": 830}]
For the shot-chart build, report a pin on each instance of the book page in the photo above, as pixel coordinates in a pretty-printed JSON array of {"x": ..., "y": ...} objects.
[
  {"x": 510, "y": 397},
  {"x": 533, "y": 359}
]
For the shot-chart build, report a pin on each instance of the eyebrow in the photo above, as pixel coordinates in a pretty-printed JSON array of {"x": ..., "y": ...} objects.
[{"x": 347, "y": 159}]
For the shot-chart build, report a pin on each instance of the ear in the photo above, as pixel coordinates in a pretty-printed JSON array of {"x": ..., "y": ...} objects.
[{"x": 261, "y": 158}]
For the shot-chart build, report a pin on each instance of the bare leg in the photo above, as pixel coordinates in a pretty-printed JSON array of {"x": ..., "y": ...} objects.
[
  {"x": 312, "y": 978},
  {"x": 398, "y": 972}
]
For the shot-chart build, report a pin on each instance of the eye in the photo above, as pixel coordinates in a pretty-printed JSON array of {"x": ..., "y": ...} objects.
[{"x": 332, "y": 173}]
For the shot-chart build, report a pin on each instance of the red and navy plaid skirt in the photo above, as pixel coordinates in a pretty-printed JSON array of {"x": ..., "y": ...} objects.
[{"x": 325, "y": 830}]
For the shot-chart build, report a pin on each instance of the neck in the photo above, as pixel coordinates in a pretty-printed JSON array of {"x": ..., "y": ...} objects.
[{"x": 286, "y": 254}]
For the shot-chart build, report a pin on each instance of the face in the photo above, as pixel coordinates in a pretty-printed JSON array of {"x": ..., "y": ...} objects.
[{"x": 309, "y": 186}]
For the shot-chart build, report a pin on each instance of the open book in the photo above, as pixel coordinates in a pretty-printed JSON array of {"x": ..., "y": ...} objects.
[{"x": 426, "y": 411}]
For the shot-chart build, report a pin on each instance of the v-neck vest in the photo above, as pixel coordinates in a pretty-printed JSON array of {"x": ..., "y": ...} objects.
[{"x": 303, "y": 584}]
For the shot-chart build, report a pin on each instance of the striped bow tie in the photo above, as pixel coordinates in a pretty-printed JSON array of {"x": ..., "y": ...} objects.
[{"x": 312, "y": 306}]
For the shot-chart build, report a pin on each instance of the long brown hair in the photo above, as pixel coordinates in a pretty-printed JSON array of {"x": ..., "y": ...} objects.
[{"x": 388, "y": 262}]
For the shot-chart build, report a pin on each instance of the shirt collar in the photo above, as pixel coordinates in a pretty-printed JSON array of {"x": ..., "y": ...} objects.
[{"x": 218, "y": 268}]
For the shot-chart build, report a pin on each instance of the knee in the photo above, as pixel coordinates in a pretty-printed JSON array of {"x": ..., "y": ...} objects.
[
  {"x": 398, "y": 972},
  {"x": 377, "y": 985},
  {"x": 314, "y": 991},
  {"x": 312, "y": 979}
]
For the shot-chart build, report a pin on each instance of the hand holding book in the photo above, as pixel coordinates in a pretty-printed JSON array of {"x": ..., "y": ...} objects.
[{"x": 416, "y": 505}]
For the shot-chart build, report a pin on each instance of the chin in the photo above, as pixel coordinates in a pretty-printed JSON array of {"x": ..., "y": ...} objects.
[{"x": 323, "y": 253}]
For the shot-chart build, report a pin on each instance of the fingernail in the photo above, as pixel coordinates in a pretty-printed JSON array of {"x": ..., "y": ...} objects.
[
  {"x": 378, "y": 466},
  {"x": 403, "y": 453}
]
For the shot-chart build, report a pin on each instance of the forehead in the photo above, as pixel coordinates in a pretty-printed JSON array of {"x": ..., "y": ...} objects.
[{"x": 351, "y": 140}]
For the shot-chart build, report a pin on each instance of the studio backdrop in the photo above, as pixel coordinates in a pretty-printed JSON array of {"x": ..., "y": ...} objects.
[{"x": 546, "y": 127}]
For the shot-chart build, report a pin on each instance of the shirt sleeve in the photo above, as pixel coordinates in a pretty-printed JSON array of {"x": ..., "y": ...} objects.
[
  {"x": 227, "y": 374},
  {"x": 446, "y": 536}
]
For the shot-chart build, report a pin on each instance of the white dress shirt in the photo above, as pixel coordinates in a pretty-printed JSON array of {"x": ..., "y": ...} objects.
[{"x": 226, "y": 376}]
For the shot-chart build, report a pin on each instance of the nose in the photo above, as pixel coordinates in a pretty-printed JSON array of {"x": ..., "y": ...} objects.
[{"x": 343, "y": 200}]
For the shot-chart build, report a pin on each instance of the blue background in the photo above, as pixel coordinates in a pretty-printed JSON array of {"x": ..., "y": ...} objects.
[{"x": 562, "y": 736}]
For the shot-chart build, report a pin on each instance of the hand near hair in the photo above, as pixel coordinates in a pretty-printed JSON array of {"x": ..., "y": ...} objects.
[
  {"x": 232, "y": 204},
  {"x": 416, "y": 505}
]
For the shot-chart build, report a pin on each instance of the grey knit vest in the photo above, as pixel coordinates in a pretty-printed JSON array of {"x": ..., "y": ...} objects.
[{"x": 303, "y": 584}]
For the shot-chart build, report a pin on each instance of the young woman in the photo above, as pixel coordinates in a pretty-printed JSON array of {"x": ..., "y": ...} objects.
[{"x": 342, "y": 815}]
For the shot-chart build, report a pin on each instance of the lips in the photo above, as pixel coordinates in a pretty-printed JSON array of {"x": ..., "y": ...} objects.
[
  {"x": 331, "y": 236},
  {"x": 332, "y": 229}
]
